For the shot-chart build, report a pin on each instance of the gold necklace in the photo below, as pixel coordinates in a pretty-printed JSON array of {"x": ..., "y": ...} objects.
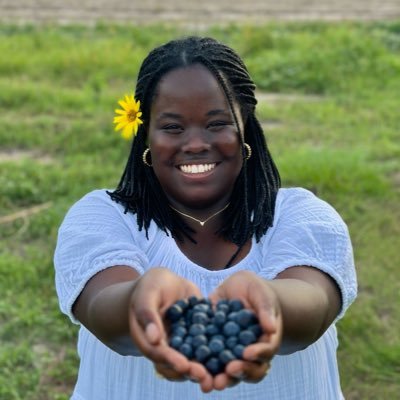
[{"x": 202, "y": 223}]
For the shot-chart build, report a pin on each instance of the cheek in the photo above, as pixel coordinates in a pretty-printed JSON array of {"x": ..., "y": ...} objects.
[{"x": 230, "y": 145}]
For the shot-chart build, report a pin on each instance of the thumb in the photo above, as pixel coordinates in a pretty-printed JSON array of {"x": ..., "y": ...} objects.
[{"x": 152, "y": 333}]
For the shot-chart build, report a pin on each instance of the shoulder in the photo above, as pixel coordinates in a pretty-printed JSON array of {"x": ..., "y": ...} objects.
[
  {"x": 95, "y": 210},
  {"x": 299, "y": 205},
  {"x": 96, "y": 203},
  {"x": 95, "y": 198}
]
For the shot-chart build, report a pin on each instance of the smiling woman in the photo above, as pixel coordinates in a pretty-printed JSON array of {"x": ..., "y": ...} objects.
[{"x": 199, "y": 212}]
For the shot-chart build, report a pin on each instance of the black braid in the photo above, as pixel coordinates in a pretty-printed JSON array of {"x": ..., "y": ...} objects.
[{"x": 252, "y": 203}]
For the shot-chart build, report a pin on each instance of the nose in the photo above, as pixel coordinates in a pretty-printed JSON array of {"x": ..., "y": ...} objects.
[{"x": 196, "y": 141}]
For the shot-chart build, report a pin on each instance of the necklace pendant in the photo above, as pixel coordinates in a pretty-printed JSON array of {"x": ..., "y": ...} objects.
[{"x": 202, "y": 223}]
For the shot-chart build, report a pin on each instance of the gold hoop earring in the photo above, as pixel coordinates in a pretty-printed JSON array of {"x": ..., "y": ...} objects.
[
  {"x": 248, "y": 151},
  {"x": 144, "y": 158}
]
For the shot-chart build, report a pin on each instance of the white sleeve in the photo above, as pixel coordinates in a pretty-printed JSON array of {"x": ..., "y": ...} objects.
[
  {"x": 308, "y": 231},
  {"x": 94, "y": 235}
]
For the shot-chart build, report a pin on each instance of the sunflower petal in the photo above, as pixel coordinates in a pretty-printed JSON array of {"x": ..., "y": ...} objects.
[
  {"x": 120, "y": 126},
  {"x": 124, "y": 105},
  {"x": 127, "y": 132},
  {"x": 120, "y": 118}
]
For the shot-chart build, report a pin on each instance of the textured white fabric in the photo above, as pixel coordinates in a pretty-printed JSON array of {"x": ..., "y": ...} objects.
[{"x": 96, "y": 234}]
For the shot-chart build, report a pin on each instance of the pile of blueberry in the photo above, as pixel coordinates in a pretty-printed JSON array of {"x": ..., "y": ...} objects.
[{"x": 213, "y": 337}]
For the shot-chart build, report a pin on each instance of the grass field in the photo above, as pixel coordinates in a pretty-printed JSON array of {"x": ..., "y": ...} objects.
[{"x": 330, "y": 104}]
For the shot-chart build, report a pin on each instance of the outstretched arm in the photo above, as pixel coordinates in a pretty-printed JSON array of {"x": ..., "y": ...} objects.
[
  {"x": 117, "y": 304},
  {"x": 294, "y": 310}
]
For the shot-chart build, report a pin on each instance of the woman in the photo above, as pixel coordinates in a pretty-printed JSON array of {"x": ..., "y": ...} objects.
[{"x": 199, "y": 212}]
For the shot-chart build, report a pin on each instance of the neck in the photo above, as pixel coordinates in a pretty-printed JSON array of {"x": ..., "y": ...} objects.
[{"x": 199, "y": 221}]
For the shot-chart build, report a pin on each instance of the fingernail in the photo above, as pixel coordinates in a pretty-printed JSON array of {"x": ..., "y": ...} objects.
[
  {"x": 239, "y": 375},
  {"x": 191, "y": 378},
  {"x": 152, "y": 332}
]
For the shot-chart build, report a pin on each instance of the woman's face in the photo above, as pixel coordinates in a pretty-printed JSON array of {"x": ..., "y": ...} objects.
[{"x": 193, "y": 139}]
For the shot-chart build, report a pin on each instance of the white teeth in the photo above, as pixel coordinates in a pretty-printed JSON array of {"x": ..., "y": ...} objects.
[{"x": 197, "y": 168}]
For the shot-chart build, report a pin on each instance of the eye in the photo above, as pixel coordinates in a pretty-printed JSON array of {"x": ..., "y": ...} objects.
[
  {"x": 172, "y": 128},
  {"x": 218, "y": 125}
]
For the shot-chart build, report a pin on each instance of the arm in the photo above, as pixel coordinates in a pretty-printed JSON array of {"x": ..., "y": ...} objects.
[
  {"x": 102, "y": 307},
  {"x": 309, "y": 301},
  {"x": 294, "y": 310},
  {"x": 120, "y": 307}
]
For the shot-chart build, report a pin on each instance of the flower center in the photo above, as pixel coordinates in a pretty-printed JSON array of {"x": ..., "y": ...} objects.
[{"x": 132, "y": 115}]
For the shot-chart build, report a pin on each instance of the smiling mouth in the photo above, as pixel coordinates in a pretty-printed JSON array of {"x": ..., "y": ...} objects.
[{"x": 196, "y": 168}]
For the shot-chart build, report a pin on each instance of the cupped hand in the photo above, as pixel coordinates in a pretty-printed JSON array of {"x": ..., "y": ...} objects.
[
  {"x": 153, "y": 293},
  {"x": 258, "y": 296}
]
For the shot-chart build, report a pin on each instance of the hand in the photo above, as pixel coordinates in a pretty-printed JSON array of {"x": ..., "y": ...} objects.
[
  {"x": 153, "y": 293},
  {"x": 257, "y": 295}
]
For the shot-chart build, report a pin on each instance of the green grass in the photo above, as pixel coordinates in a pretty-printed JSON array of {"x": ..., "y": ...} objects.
[{"x": 333, "y": 126}]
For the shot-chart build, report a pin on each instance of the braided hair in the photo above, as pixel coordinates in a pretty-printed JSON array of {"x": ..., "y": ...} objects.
[{"x": 252, "y": 203}]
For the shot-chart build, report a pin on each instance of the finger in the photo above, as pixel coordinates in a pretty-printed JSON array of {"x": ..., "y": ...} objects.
[
  {"x": 264, "y": 350},
  {"x": 223, "y": 381},
  {"x": 160, "y": 353},
  {"x": 198, "y": 373},
  {"x": 248, "y": 371},
  {"x": 146, "y": 313},
  {"x": 163, "y": 371}
]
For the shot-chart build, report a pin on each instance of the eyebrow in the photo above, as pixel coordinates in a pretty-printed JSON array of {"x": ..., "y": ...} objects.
[
  {"x": 179, "y": 117},
  {"x": 169, "y": 115},
  {"x": 217, "y": 112}
]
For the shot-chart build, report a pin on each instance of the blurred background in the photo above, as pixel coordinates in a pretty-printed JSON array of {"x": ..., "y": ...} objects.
[{"x": 328, "y": 84}]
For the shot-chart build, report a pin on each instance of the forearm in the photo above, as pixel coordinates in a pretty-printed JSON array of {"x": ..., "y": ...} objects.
[
  {"x": 307, "y": 311},
  {"x": 107, "y": 312}
]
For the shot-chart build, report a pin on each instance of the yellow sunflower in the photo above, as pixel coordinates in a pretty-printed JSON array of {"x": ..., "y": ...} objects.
[{"x": 128, "y": 119}]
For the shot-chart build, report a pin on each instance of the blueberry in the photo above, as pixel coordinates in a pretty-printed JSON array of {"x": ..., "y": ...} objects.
[
  {"x": 176, "y": 342},
  {"x": 222, "y": 302},
  {"x": 188, "y": 339},
  {"x": 176, "y": 324},
  {"x": 245, "y": 318},
  {"x": 174, "y": 313},
  {"x": 202, "y": 353},
  {"x": 197, "y": 329},
  {"x": 216, "y": 346},
  {"x": 201, "y": 307},
  {"x": 193, "y": 300},
  {"x": 231, "y": 329},
  {"x": 219, "y": 318},
  {"x": 247, "y": 337},
  {"x": 179, "y": 331},
  {"x": 235, "y": 305},
  {"x": 184, "y": 304},
  {"x": 256, "y": 329},
  {"x": 226, "y": 356},
  {"x": 187, "y": 350},
  {"x": 232, "y": 316},
  {"x": 188, "y": 316},
  {"x": 212, "y": 330},
  {"x": 231, "y": 342},
  {"x": 214, "y": 366},
  {"x": 199, "y": 340},
  {"x": 212, "y": 337},
  {"x": 218, "y": 336},
  {"x": 238, "y": 351},
  {"x": 200, "y": 317},
  {"x": 223, "y": 305}
]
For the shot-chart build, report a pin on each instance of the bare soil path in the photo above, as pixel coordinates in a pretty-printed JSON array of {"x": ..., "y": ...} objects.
[{"x": 195, "y": 12}]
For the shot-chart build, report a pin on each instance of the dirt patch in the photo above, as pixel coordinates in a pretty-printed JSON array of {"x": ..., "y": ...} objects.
[
  {"x": 14, "y": 155},
  {"x": 194, "y": 13}
]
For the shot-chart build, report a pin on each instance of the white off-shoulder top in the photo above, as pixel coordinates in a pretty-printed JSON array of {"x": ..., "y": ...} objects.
[{"x": 97, "y": 234}]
